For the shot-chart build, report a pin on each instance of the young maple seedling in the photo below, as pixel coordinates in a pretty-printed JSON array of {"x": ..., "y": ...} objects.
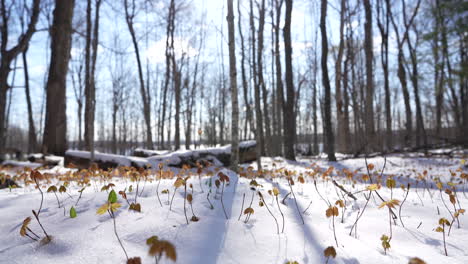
[
  {"x": 190, "y": 200},
  {"x": 262, "y": 202},
  {"x": 332, "y": 211},
  {"x": 404, "y": 199},
  {"x": 443, "y": 222},
  {"x": 178, "y": 183},
  {"x": 110, "y": 207},
  {"x": 370, "y": 188},
  {"x": 224, "y": 179},
  {"x": 53, "y": 189},
  {"x": 81, "y": 193},
  {"x": 35, "y": 175},
  {"x": 185, "y": 197},
  {"x": 166, "y": 191},
  {"x": 329, "y": 252},
  {"x": 385, "y": 243},
  {"x": 159, "y": 182},
  {"x": 160, "y": 247},
  {"x": 276, "y": 193},
  {"x": 291, "y": 183},
  {"x": 390, "y": 205}
]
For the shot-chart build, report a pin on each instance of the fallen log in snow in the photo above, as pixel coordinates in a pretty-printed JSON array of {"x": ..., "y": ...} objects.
[{"x": 220, "y": 156}]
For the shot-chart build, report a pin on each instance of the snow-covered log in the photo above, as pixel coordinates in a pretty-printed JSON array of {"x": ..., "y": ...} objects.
[{"x": 220, "y": 156}]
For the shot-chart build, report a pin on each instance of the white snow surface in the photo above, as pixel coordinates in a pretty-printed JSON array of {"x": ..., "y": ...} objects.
[{"x": 89, "y": 237}]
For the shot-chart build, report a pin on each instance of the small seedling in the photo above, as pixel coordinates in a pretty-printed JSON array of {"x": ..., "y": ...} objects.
[
  {"x": 72, "y": 212},
  {"x": 262, "y": 201},
  {"x": 160, "y": 247},
  {"x": 53, "y": 189},
  {"x": 332, "y": 211},
  {"x": 390, "y": 205},
  {"x": 385, "y": 243},
  {"x": 443, "y": 222},
  {"x": 224, "y": 179},
  {"x": 159, "y": 182},
  {"x": 329, "y": 252},
  {"x": 276, "y": 193},
  {"x": 166, "y": 191},
  {"x": 110, "y": 207}
]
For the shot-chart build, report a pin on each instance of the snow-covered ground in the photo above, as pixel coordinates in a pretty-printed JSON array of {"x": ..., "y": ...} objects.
[{"x": 90, "y": 238}]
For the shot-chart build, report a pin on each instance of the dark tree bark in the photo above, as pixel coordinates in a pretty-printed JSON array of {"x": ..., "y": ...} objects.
[
  {"x": 90, "y": 67},
  {"x": 261, "y": 82},
  {"x": 233, "y": 87},
  {"x": 259, "y": 136},
  {"x": 328, "y": 133},
  {"x": 383, "y": 22},
  {"x": 369, "y": 102},
  {"x": 340, "y": 110},
  {"x": 32, "y": 139},
  {"x": 289, "y": 117},
  {"x": 279, "y": 79},
  {"x": 55, "y": 130},
  {"x": 8, "y": 55},
  {"x": 248, "y": 119}
]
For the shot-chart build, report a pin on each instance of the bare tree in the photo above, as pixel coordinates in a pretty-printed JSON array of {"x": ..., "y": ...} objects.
[
  {"x": 328, "y": 133},
  {"x": 289, "y": 117},
  {"x": 90, "y": 68},
  {"x": 55, "y": 130},
  {"x": 9, "y": 54},
  {"x": 130, "y": 13},
  {"x": 233, "y": 87},
  {"x": 369, "y": 102}
]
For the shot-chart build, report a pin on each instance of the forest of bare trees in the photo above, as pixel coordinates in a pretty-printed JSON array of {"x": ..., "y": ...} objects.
[{"x": 300, "y": 77}]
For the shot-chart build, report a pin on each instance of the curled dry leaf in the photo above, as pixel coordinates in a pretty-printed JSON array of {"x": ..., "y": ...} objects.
[
  {"x": 134, "y": 260},
  {"x": 329, "y": 252},
  {"x": 159, "y": 247},
  {"x": 275, "y": 191},
  {"x": 249, "y": 210},
  {"x": 24, "y": 226}
]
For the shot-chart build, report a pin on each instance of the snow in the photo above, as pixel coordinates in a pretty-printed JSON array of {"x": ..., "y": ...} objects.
[{"x": 89, "y": 238}]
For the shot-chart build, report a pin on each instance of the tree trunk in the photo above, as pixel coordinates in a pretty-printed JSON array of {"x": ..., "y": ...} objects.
[
  {"x": 32, "y": 140},
  {"x": 289, "y": 117},
  {"x": 233, "y": 86},
  {"x": 369, "y": 103},
  {"x": 55, "y": 130},
  {"x": 261, "y": 82},
  {"x": 144, "y": 94},
  {"x": 340, "y": 110},
  {"x": 328, "y": 133},
  {"x": 8, "y": 55},
  {"x": 258, "y": 112}
]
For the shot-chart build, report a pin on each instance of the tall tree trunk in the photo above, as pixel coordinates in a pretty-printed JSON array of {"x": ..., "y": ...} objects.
[
  {"x": 328, "y": 133},
  {"x": 289, "y": 117},
  {"x": 233, "y": 86},
  {"x": 55, "y": 130},
  {"x": 258, "y": 112},
  {"x": 369, "y": 103},
  {"x": 32, "y": 140},
  {"x": 248, "y": 109},
  {"x": 261, "y": 81},
  {"x": 420, "y": 131},
  {"x": 340, "y": 110},
  {"x": 145, "y": 96},
  {"x": 383, "y": 25},
  {"x": 8, "y": 55},
  {"x": 90, "y": 67},
  {"x": 279, "y": 78}
]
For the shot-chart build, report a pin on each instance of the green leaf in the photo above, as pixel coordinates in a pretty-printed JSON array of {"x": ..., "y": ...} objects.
[
  {"x": 112, "y": 197},
  {"x": 72, "y": 212}
]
